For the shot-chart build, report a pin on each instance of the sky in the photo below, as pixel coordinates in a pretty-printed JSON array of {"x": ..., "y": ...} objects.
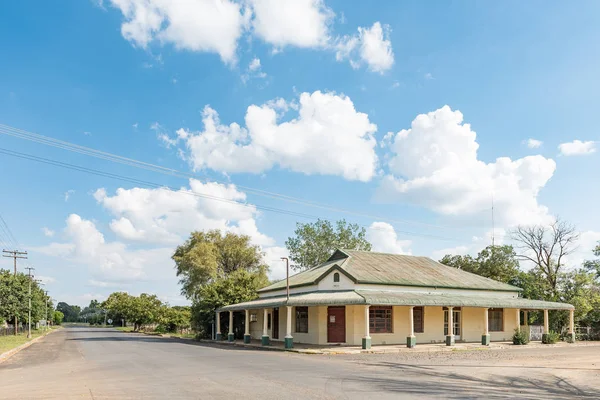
[{"x": 408, "y": 118}]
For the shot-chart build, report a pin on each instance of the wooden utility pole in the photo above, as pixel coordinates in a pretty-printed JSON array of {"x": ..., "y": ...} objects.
[
  {"x": 14, "y": 254},
  {"x": 29, "y": 319}
]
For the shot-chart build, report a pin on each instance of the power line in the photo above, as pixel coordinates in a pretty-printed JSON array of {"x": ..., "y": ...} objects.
[
  {"x": 49, "y": 141},
  {"x": 178, "y": 190}
]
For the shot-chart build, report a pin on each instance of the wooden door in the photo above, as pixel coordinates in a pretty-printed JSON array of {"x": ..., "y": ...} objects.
[
  {"x": 336, "y": 324},
  {"x": 275, "y": 332}
]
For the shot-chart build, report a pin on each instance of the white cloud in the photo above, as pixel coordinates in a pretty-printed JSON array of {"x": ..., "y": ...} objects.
[
  {"x": 254, "y": 70},
  {"x": 534, "y": 143},
  {"x": 68, "y": 194},
  {"x": 577, "y": 148},
  {"x": 48, "y": 232},
  {"x": 435, "y": 164},
  {"x": 300, "y": 23},
  {"x": 384, "y": 239},
  {"x": 371, "y": 46},
  {"x": 428, "y": 76},
  {"x": 327, "y": 137},
  {"x": 272, "y": 257},
  {"x": 195, "y": 25},
  {"x": 588, "y": 240},
  {"x": 46, "y": 280},
  {"x": 167, "y": 217}
]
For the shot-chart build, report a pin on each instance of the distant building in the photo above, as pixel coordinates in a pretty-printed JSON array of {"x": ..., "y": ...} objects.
[{"x": 365, "y": 298}]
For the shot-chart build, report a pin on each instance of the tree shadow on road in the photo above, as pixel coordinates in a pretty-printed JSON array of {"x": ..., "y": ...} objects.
[{"x": 439, "y": 381}]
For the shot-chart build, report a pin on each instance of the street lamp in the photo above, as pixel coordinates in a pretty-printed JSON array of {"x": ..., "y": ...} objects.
[{"x": 287, "y": 276}]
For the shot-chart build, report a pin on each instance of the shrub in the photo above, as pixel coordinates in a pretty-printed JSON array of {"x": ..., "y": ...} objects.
[
  {"x": 550, "y": 337},
  {"x": 520, "y": 337}
]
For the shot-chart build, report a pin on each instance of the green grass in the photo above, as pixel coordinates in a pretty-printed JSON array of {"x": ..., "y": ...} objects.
[
  {"x": 179, "y": 335},
  {"x": 12, "y": 341},
  {"x": 124, "y": 328}
]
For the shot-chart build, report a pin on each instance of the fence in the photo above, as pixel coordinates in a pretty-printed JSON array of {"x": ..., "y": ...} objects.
[
  {"x": 10, "y": 330},
  {"x": 587, "y": 333}
]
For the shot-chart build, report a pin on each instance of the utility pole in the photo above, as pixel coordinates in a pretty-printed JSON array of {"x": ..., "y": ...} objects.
[
  {"x": 29, "y": 269},
  {"x": 14, "y": 254},
  {"x": 46, "y": 313}
]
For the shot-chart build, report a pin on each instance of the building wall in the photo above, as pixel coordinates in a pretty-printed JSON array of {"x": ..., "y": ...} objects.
[{"x": 472, "y": 326}]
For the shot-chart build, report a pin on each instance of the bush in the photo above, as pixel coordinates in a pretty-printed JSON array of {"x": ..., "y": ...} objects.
[
  {"x": 520, "y": 337},
  {"x": 550, "y": 337}
]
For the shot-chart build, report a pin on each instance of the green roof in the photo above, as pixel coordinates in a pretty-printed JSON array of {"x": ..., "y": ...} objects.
[
  {"x": 392, "y": 269},
  {"x": 382, "y": 297}
]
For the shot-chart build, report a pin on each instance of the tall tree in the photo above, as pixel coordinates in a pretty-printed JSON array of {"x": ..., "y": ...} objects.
[
  {"x": 313, "y": 243},
  {"x": 70, "y": 313},
  {"x": 495, "y": 262},
  {"x": 546, "y": 247},
  {"x": 208, "y": 256}
]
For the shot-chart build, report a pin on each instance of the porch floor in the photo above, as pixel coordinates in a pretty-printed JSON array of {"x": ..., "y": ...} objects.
[{"x": 387, "y": 348}]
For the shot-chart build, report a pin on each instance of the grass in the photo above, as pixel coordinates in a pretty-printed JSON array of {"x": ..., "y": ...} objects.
[{"x": 11, "y": 341}]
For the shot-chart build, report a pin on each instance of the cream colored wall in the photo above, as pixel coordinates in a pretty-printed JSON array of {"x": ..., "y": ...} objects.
[
  {"x": 471, "y": 326},
  {"x": 327, "y": 282}
]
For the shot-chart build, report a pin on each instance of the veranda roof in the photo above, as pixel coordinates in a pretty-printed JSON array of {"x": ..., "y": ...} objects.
[
  {"x": 366, "y": 267},
  {"x": 376, "y": 297}
]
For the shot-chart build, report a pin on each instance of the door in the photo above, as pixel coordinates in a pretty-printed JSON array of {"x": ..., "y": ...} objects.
[
  {"x": 275, "y": 332},
  {"x": 456, "y": 323},
  {"x": 336, "y": 324}
]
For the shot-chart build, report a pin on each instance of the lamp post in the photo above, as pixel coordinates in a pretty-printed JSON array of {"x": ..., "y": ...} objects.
[{"x": 287, "y": 276}]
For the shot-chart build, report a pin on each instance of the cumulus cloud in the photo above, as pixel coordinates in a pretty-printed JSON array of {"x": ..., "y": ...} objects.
[
  {"x": 327, "y": 137},
  {"x": 384, "y": 239},
  {"x": 48, "y": 232},
  {"x": 272, "y": 257},
  {"x": 217, "y": 26},
  {"x": 166, "y": 217},
  {"x": 370, "y": 45},
  {"x": 197, "y": 25},
  {"x": 577, "y": 148},
  {"x": 300, "y": 23},
  {"x": 533, "y": 143},
  {"x": 434, "y": 163},
  {"x": 254, "y": 70}
]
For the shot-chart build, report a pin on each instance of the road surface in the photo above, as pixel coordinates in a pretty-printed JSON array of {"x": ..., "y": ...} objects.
[{"x": 93, "y": 363}]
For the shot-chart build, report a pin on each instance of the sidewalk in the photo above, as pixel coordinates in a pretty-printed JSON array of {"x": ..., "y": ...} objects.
[{"x": 381, "y": 349}]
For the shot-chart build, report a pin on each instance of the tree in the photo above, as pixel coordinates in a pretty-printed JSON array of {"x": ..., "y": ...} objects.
[
  {"x": 209, "y": 256},
  {"x": 71, "y": 313},
  {"x": 495, "y": 262},
  {"x": 57, "y": 317},
  {"x": 14, "y": 298},
  {"x": 594, "y": 265},
  {"x": 174, "y": 319},
  {"x": 313, "y": 243},
  {"x": 144, "y": 310},
  {"x": 546, "y": 247},
  {"x": 118, "y": 306}
]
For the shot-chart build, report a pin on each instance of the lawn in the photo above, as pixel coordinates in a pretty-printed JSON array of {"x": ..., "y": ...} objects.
[{"x": 11, "y": 341}]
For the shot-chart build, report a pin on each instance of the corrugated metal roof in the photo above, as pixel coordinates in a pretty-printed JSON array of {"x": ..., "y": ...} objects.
[
  {"x": 394, "y": 269},
  {"x": 456, "y": 300},
  {"x": 382, "y": 297}
]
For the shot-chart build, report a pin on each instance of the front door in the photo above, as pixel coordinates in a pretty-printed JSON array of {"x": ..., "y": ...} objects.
[
  {"x": 275, "y": 332},
  {"x": 336, "y": 324},
  {"x": 456, "y": 323}
]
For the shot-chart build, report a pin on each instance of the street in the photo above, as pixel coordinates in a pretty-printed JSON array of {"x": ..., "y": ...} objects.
[{"x": 94, "y": 363}]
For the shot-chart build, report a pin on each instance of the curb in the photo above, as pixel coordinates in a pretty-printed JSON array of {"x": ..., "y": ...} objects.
[{"x": 8, "y": 354}]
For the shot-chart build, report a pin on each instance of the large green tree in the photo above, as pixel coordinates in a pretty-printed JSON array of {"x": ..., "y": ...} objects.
[
  {"x": 313, "y": 243},
  {"x": 71, "y": 313},
  {"x": 217, "y": 269},
  {"x": 495, "y": 262},
  {"x": 14, "y": 298}
]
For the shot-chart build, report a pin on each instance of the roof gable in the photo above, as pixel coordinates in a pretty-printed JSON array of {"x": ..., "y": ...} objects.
[{"x": 365, "y": 267}]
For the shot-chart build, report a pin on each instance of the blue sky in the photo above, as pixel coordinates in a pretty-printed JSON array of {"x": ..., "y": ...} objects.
[{"x": 334, "y": 102}]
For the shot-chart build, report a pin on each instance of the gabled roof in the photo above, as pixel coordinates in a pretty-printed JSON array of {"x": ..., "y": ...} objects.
[{"x": 368, "y": 267}]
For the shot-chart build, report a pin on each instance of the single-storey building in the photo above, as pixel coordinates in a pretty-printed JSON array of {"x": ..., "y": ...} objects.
[{"x": 365, "y": 298}]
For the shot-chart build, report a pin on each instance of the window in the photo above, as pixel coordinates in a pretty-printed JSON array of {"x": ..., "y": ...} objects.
[
  {"x": 380, "y": 319},
  {"x": 496, "y": 319},
  {"x": 418, "y": 320},
  {"x": 302, "y": 319},
  {"x": 336, "y": 277}
]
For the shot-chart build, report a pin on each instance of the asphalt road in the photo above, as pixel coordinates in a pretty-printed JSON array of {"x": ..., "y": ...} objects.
[{"x": 87, "y": 363}]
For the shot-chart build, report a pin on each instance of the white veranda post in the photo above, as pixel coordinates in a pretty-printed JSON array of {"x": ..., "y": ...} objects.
[
  {"x": 289, "y": 340},
  {"x": 265, "y": 336},
  {"x": 546, "y": 322},
  {"x": 572, "y": 326},
  {"x": 485, "y": 337},
  {"x": 411, "y": 340},
  {"x": 450, "y": 335},
  {"x": 366, "y": 340},
  {"x": 218, "y": 326},
  {"x": 247, "y": 336},
  {"x": 230, "y": 336}
]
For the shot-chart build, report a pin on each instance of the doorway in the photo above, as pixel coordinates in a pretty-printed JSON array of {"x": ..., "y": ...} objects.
[
  {"x": 336, "y": 324},
  {"x": 456, "y": 314},
  {"x": 275, "y": 331}
]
